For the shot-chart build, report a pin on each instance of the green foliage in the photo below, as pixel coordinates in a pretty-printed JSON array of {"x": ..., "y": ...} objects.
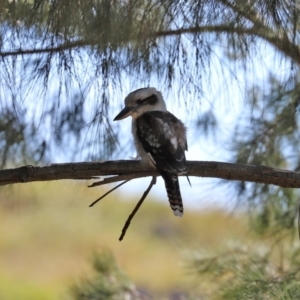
[
  {"x": 257, "y": 271},
  {"x": 14, "y": 134},
  {"x": 268, "y": 134},
  {"x": 108, "y": 282},
  {"x": 66, "y": 62},
  {"x": 271, "y": 135},
  {"x": 52, "y": 231},
  {"x": 65, "y": 65},
  {"x": 251, "y": 273}
]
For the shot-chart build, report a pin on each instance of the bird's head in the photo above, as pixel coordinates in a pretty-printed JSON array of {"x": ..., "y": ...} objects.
[{"x": 141, "y": 101}]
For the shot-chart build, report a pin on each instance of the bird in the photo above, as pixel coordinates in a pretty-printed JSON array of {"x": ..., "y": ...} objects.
[{"x": 159, "y": 138}]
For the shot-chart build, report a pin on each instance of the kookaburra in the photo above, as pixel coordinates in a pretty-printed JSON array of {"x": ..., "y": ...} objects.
[{"x": 159, "y": 137}]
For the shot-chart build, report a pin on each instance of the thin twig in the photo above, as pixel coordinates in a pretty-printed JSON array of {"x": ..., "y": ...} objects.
[
  {"x": 108, "y": 193},
  {"x": 113, "y": 179},
  {"x": 299, "y": 220},
  {"x": 153, "y": 181},
  {"x": 188, "y": 179}
]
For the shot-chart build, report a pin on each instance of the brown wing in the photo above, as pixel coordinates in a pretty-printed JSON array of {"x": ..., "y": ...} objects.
[{"x": 163, "y": 136}]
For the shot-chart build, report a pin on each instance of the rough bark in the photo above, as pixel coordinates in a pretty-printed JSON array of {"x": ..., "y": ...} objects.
[{"x": 128, "y": 169}]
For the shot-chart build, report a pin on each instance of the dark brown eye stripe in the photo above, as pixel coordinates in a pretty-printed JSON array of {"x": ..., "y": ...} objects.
[{"x": 149, "y": 100}]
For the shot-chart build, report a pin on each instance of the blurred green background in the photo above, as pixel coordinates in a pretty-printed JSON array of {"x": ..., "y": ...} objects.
[
  {"x": 228, "y": 69},
  {"x": 48, "y": 235}
]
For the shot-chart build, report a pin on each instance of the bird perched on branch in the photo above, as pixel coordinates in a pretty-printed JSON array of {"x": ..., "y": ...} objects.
[{"x": 159, "y": 137}]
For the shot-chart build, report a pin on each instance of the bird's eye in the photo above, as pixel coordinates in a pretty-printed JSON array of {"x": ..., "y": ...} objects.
[{"x": 139, "y": 101}]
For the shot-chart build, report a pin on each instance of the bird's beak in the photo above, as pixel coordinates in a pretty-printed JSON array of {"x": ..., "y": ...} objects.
[{"x": 124, "y": 113}]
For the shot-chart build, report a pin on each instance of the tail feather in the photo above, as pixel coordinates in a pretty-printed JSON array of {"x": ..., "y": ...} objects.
[{"x": 173, "y": 191}]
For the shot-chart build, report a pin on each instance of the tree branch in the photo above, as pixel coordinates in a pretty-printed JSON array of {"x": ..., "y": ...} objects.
[
  {"x": 58, "y": 48},
  {"x": 128, "y": 169},
  {"x": 276, "y": 37},
  {"x": 280, "y": 42}
]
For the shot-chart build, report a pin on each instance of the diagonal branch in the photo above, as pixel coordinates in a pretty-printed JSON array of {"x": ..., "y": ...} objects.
[
  {"x": 276, "y": 37},
  {"x": 107, "y": 193},
  {"x": 280, "y": 42},
  {"x": 127, "y": 223},
  {"x": 129, "y": 169}
]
